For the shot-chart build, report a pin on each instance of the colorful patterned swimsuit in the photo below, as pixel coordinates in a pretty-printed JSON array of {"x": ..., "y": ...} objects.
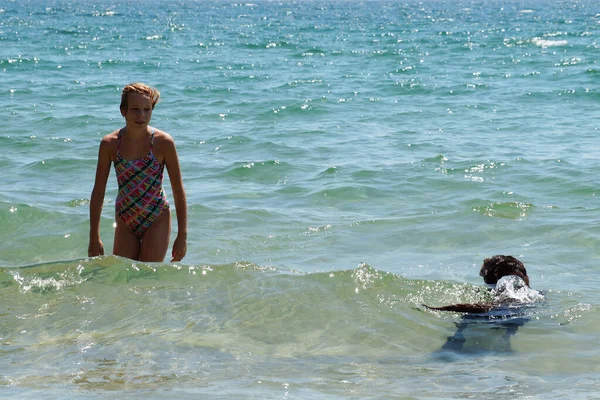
[{"x": 141, "y": 197}]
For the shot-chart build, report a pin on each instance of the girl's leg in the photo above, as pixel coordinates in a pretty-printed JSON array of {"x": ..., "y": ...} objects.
[
  {"x": 156, "y": 239},
  {"x": 126, "y": 244}
]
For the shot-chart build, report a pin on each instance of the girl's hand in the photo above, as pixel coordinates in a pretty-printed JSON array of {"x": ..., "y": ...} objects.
[
  {"x": 179, "y": 248},
  {"x": 96, "y": 248}
]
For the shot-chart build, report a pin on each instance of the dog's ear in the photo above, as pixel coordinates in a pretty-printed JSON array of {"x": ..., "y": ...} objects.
[
  {"x": 489, "y": 269},
  {"x": 485, "y": 267}
]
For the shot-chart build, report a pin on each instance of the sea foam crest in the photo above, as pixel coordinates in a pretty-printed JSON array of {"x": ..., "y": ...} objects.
[
  {"x": 548, "y": 43},
  {"x": 39, "y": 284}
]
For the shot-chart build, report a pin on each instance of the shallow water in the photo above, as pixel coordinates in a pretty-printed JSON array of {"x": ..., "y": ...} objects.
[
  {"x": 103, "y": 325},
  {"x": 344, "y": 163}
]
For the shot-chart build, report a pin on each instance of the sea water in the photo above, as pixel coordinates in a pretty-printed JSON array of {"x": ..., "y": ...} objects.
[{"x": 345, "y": 162}]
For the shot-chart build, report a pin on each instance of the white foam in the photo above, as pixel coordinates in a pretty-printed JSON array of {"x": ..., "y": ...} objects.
[
  {"x": 548, "y": 43},
  {"x": 513, "y": 287}
]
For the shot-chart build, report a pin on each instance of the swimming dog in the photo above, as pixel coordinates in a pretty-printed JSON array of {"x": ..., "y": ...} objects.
[{"x": 510, "y": 294}]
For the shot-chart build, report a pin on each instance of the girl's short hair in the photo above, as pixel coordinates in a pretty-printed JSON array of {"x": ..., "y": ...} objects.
[{"x": 140, "y": 88}]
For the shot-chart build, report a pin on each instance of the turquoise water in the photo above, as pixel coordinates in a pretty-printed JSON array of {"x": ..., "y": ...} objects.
[{"x": 344, "y": 163}]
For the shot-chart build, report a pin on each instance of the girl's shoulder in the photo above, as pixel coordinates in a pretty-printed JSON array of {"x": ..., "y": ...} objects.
[
  {"x": 109, "y": 144},
  {"x": 112, "y": 138},
  {"x": 164, "y": 146},
  {"x": 162, "y": 136},
  {"x": 162, "y": 140}
]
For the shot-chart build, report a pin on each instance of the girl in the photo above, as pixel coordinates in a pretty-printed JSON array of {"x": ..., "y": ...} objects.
[{"x": 139, "y": 153}]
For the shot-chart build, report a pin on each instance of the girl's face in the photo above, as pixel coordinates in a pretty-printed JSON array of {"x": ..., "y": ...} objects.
[{"x": 139, "y": 111}]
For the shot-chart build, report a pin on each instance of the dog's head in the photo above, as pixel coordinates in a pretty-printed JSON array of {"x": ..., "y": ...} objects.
[{"x": 496, "y": 267}]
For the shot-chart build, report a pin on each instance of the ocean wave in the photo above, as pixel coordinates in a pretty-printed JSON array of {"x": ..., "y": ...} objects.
[
  {"x": 270, "y": 171},
  {"x": 347, "y": 194},
  {"x": 541, "y": 42},
  {"x": 261, "y": 290},
  {"x": 270, "y": 44},
  {"x": 514, "y": 210},
  {"x": 87, "y": 276}
]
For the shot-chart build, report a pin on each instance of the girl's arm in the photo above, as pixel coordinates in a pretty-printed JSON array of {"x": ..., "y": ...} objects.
[
  {"x": 172, "y": 163},
  {"x": 96, "y": 247}
]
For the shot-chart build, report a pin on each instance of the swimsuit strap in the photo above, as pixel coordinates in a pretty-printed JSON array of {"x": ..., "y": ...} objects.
[
  {"x": 119, "y": 141},
  {"x": 151, "y": 139}
]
